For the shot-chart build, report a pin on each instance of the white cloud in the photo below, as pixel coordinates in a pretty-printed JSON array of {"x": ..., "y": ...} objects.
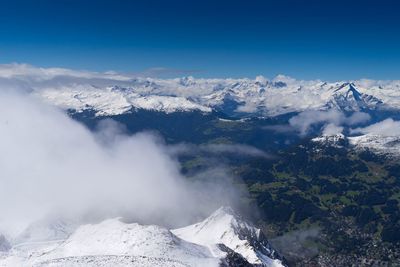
[
  {"x": 388, "y": 127},
  {"x": 332, "y": 129},
  {"x": 305, "y": 120},
  {"x": 50, "y": 162},
  {"x": 28, "y": 72},
  {"x": 218, "y": 149},
  {"x": 357, "y": 118}
]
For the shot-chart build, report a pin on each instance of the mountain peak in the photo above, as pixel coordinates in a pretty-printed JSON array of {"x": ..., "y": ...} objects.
[
  {"x": 347, "y": 88},
  {"x": 224, "y": 210},
  {"x": 348, "y": 98},
  {"x": 225, "y": 227}
]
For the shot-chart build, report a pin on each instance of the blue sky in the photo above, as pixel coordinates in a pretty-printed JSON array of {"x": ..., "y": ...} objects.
[{"x": 311, "y": 39}]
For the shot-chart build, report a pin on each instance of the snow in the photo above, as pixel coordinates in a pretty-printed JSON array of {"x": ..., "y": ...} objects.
[
  {"x": 113, "y": 243},
  {"x": 109, "y": 101},
  {"x": 335, "y": 140},
  {"x": 47, "y": 229},
  {"x": 113, "y": 237},
  {"x": 116, "y": 243},
  {"x": 224, "y": 227},
  {"x": 379, "y": 144},
  {"x": 348, "y": 98}
]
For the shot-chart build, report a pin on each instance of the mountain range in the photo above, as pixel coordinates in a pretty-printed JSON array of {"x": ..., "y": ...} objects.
[
  {"x": 232, "y": 97},
  {"x": 237, "y": 99}
]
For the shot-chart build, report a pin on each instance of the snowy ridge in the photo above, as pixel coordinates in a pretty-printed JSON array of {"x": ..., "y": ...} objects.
[
  {"x": 113, "y": 237},
  {"x": 112, "y": 101},
  {"x": 223, "y": 239},
  {"x": 335, "y": 140},
  {"x": 225, "y": 227},
  {"x": 378, "y": 144},
  {"x": 382, "y": 145}
]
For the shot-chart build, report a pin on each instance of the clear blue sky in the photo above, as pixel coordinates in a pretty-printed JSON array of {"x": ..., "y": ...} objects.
[{"x": 323, "y": 39}]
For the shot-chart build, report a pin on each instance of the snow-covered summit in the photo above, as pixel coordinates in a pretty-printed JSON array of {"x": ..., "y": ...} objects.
[
  {"x": 227, "y": 228},
  {"x": 347, "y": 98}
]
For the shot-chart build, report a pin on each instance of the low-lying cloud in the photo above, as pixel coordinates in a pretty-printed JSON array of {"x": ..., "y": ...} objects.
[
  {"x": 49, "y": 162},
  {"x": 388, "y": 127},
  {"x": 332, "y": 129},
  {"x": 304, "y": 121},
  {"x": 237, "y": 150}
]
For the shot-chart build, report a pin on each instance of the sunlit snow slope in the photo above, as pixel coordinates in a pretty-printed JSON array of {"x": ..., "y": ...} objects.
[{"x": 223, "y": 239}]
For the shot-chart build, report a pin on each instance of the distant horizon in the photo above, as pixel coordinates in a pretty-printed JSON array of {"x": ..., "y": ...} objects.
[
  {"x": 328, "y": 40},
  {"x": 156, "y": 73}
]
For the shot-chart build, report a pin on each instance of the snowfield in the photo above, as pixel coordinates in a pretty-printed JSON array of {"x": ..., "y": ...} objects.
[
  {"x": 382, "y": 145},
  {"x": 115, "y": 243}
]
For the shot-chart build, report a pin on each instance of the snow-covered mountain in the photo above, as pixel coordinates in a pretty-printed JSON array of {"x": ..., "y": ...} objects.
[
  {"x": 227, "y": 228},
  {"x": 378, "y": 144},
  {"x": 223, "y": 239},
  {"x": 347, "y": 98}
]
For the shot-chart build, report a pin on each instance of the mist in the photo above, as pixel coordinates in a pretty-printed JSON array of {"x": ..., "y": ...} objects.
[
  {"x": 387, "y": 127},
  {"x": 50, "y": 163},
  {"x": 304, "y": 121}
]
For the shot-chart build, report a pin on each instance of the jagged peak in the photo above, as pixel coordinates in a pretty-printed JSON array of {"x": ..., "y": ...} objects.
[
  {"x": 226, "y": 227},
  {"x": 348, "y": 87}
]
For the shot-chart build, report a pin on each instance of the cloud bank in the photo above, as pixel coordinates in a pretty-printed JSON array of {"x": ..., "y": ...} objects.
[
  {"x": 331, "y": 119},
  {"x": 237, "y": 150},
  {"x": 48, "y": 162},
  {"x": 388, "y": 127}
]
